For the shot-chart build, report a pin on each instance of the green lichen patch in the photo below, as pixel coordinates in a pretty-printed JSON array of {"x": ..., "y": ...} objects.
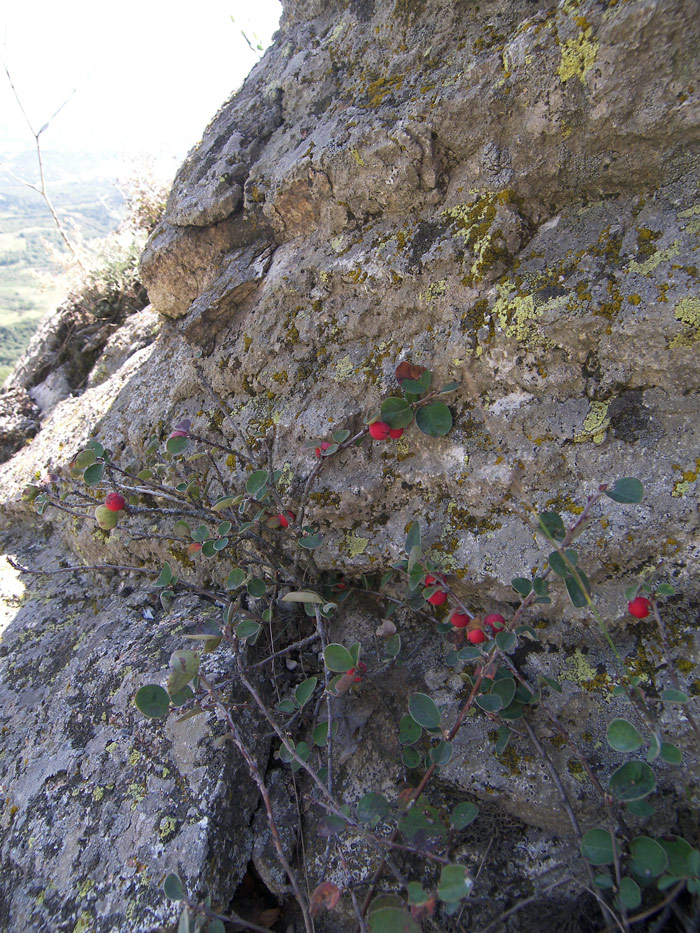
[
  {"x": 353, "y": 545},
  {"x": 517, "y": 313},
  {"x": 687, "y": 311},
  {"x": 578, "y": 56},
  {"x": 434, "y": 291},
  {"x": 655, "y": 259},
  {"x": 595, "y": 424},
  {"x": 473, "y": 223}
]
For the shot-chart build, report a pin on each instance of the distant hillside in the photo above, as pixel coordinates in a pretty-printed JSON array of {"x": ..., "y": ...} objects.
[{"x": 84, "y": 192}]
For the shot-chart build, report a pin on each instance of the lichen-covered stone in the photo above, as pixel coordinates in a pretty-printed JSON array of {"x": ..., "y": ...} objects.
[{"x": 508, "y": 196}]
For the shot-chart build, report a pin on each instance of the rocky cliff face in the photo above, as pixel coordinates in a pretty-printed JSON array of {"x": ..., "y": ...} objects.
[{"x": 505, "y": 192}]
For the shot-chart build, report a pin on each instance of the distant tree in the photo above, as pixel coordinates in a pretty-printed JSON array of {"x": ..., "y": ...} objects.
[{"x": 41, "y": 187}]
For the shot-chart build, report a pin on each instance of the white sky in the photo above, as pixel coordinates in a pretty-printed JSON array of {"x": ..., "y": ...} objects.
[{"x": 149, "y": 75}]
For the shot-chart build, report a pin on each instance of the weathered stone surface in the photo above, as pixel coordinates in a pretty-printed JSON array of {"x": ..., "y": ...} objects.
[
  {"x": 506, "y": 195},
  {"x": 19, "y": 420}
]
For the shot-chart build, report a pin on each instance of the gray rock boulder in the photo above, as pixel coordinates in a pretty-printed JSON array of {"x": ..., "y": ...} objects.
[{"x": 505, "y": 193}]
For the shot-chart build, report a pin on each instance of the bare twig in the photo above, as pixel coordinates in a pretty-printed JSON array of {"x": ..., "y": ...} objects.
[{"x": 41, "y": 188}]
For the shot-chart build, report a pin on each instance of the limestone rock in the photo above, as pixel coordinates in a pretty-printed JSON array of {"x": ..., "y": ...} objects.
[
  {"x": 19, "y": 420},
  {"x": 505, "y": 193}
]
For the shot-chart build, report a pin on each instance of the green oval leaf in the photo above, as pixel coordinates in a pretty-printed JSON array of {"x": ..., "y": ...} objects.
[
  {"x": 521, "y": 585},
  {"x": 257, "y": 587},
  {"x": 464, "y": 814},
  {"x": 396, "y": 412},
  {"x": 424, "y": 711},
  {"x": 632, "y": 781},
  {"x": 180, "y": 697},
  {"x": 248, "y": 628},
  {"x": 622, "y": 736},
  {"x": 304, "y": 691},
  {"x": 225, "y": 502},
  {"x": 435, "y": 419},
  {"x": 675, "y": 696},
  {"x": 455, "y": 883},
  {"x": 671, "y": 754},
  {"x": 629, "y": 896},
  {"x": 172, "y": 887},
  {"x": 413, "y": 538},
  {"x": 640, "y": 808},
  {"x": 441, "y": 754},
  {"x": 302, "y": 596},
  {"x": 506, "y": 641},
  {"x": 648, "y": 858},
  {"x": 165, "y": 575},
  {"x": 626, "y": 490},
  {"x": 176, "y": 445},
  {"x": 235, "y": 578},
  {"x": 597, "y": 847},
  {"x": 303, "y": 751},
  {"x": 152, "y": 701},
  {"x": 184, "y": 665},
  {"x": 338, "y": 658},
  {"x": 310, "y": 542},
  {"x": 372, "y": 808},
  {"x": 411, "y": 757},
  {"x": 678, "y": 852},
  {"x": 409, "y": 731},
  {"x": 320, "y": 733},
  {"x": 490, "y": 703},
  {"x": 392, "y": 920},
  {"x": 552, "y": 525},
  {"x": 579, "y": 592},
  {"x": 256, "y": 481},
  {"x": 93, "y": 475}
]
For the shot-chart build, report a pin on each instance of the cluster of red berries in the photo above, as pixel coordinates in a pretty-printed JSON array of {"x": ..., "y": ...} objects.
[
  {"x": 361, "y": 668},
  {"x": 475, "y": 627},
  {"x": 639, "y": 607},
  {"x": 380, "y": 431}
]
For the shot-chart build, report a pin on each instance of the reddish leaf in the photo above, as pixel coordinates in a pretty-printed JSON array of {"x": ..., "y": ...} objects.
[
  {"x": 421, "y": 911},
  {"x": 408, "y": 370},
  {"x": 326, "y": 895}
]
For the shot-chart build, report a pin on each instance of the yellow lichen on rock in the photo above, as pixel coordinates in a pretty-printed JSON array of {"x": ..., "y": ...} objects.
[
  {"x": 578, "y": 57},
  {"x": 595, "y": 424}
]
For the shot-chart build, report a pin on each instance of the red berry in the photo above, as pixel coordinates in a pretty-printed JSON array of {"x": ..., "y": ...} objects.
[
  {"x": 495, "y": 621},
  {"x": 438, "y": 598},
  {"x": 324, "y": 446},
  {"x": 282, "y": 519},
  {"x": 430, "y": 579},
  {"x": 350, "y": 670},
  {"x": 639, "y": 607},
  {"x": 379, "y": 430},
  {"x": 476, "y": 636},
  {"x": 358, "y": 680},
  {"x": 395, "y": 432},
  {"x": 115, "y": 502},
  {"x": 460, "y": 619}
]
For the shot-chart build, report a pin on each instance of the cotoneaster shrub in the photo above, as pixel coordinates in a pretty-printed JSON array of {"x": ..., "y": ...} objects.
[{"x": 260, "y": 547}]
